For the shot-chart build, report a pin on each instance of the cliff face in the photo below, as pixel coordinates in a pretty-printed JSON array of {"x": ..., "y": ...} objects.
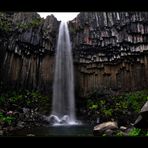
[
  {"x": 110, "y": 51},
  {"x": 27, "y": 46}
]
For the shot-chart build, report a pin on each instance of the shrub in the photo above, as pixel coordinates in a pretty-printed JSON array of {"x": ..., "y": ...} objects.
[
  {"x": 6, "y": 119},
  {"x": 134, "y": 132},
  {"x": 15, "y": 100},
  {"x": 123, "y": 108}
]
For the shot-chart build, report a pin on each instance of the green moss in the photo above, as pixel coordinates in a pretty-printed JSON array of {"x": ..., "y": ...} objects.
[
  {"x": 107, "y": 112},
  {"x": 119, "y": 133},
  {"x": 94, "y": 106},
  {"x": 136, "y": 99},
  {"x": 5, "y": 25},
  {"x": 6, "y": 118},
  {"x": 15, "y": 100},
  {"x": 34, "y": 23},
  {"x": 123, "y": 108},
  {"x": 134, "y": 132}
]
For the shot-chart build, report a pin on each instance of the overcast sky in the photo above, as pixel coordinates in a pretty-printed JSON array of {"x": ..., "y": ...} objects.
[{"x": 61, "y": 16}]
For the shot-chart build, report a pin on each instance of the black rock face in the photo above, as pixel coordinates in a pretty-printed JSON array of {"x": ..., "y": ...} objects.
[
  {"x": 142, "y": 120},
  {"x": 110, "y": 50},
  {"x": 27, "y": 43}
]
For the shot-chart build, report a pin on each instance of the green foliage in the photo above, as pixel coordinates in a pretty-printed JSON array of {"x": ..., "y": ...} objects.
[
  {"x": 6, "y": 119},
  {"x": 30, "y": 99},
  {"x": 123, "y": 108},
  {"x": 136, "y": 100},
  {"x": 93, "y": 107},
  {"x": 34, "y": 23},
  {"x": 134, "y": 132},
  {"x": 107, "y": 112},
  {"x": 1, "y": 14},
  {"x": 2, "y": 99},
  {"x": 12, "y": 102},
  {"x": 120, "y": 133},
  {"x": 5, "y": 25}
]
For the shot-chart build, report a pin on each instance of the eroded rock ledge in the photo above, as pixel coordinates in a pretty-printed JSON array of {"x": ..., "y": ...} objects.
[
  {"x": 110, "y": 50},
  {"x": 27, "y": 45}
]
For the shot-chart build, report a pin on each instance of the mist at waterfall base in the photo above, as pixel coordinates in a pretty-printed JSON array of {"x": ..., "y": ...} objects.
[{"x": 63, "y": 103}]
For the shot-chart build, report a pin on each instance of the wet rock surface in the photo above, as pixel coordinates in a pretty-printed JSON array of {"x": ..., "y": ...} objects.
[
  {"x": 142, "y": 120},
  {"x": 144, "y": 109},
  {"x": 109, "y": 50},
  {"x": 27, "y": 45},
  {"x": 105, "y": 128},
  {"x": 27, "y": 119},
  {"x": 111, "y": 128}
]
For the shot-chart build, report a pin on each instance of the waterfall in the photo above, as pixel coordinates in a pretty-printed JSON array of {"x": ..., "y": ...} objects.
[{"x": 63, "y": 103}]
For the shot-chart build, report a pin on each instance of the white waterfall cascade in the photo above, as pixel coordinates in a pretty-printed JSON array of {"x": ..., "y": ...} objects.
[{"x": 63, "y": 103}]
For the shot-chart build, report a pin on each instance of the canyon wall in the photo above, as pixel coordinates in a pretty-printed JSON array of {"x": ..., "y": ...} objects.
[
  {"x": 110, "y": 51},
  {"x": 28, "y": 44}
]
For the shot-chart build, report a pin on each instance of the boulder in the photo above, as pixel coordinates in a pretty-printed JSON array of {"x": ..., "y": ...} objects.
[
  {"x": 105, "y": 128},
  {"x": 123, "y": 128},
  {"x": 144, "y": 110},
  {"x": 108, "y": 132},
  {"x": 20, "y": 125},
  {"x": 142, "y": 120},
  {"x": 1, "y": 132},
  {"x": 30, "y": 135}
]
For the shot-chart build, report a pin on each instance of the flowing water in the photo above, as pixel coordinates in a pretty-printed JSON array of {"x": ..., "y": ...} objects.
[{"x": 63, "y": 103}]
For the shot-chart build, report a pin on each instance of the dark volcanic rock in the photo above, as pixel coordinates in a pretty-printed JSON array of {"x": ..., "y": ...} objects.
[
  {"x": 144, "y": 110},
  {"x": 142, "y": 120},
  {"x": 110, "y": 50},
  {"x": 141, "y": 123},
  {"x": 27, "y": 45}
]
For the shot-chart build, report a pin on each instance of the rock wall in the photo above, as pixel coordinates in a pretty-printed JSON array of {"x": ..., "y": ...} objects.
[
  {"x": 27, "y": 45},
  {"x": 110, "y": 51}
]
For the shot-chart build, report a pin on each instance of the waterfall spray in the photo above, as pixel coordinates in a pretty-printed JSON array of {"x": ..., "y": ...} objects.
[{"x": 63, "y": 103}]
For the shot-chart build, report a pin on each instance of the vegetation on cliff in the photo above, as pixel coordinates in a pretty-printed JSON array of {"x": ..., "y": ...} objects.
[
  {"x": 34, "y": 23},
  {"x": 123, "y": 108},
  {"x": 5, "y": 23},
  {"x": 22, "y": 106}
]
